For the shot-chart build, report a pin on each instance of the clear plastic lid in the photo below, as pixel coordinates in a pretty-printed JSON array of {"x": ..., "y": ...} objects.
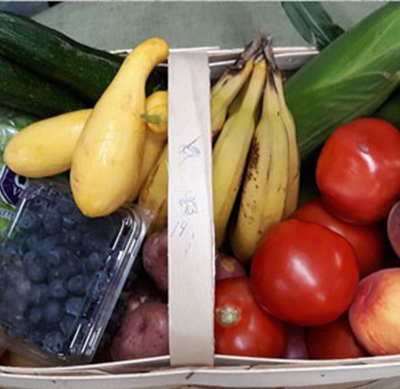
[{"x": 61, "y": 273}]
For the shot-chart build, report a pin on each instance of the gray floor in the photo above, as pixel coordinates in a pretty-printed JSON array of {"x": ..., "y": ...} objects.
[{"x": 114, "y": 24}]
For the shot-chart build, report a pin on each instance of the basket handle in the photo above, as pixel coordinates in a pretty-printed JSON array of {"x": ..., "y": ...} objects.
[{"x": 191, "y": 250}]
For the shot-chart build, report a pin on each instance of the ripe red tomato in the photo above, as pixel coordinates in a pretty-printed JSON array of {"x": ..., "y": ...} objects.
[
  {"x": 367, "y": 241},
  {"x": 304, "y": 274},
  {"x": 241, "y": 327},
  {"x": 334, "y": 340},
  {"x": 358, "y": 170}
]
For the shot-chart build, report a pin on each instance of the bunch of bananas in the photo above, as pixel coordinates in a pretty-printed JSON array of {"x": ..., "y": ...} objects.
[{"x": 255, "y": 155}]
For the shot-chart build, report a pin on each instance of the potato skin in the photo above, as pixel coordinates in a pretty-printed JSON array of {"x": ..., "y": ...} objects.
[
  {"x": 227, "y": 266},
  {"x": 143, "y": 291},
  {"x": 155, "y": 262},
  {"x": 144, "y": 333},
  {"x": 155, "y": 259}
]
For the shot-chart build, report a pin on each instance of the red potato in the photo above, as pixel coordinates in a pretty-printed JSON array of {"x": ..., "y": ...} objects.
[
  {"x": 143, "y": 291},
  {"x": 334, "y": 341},
  {"x": 296, "y": 347},
  {"x": 228, "y": 267},
  {"x": 155, "y": 259},
  {"x": 144, "y": 333},
  {"x": 393, "y": 228}
]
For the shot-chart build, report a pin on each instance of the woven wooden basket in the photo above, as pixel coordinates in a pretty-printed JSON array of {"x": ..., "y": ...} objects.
[{"x": 191, "y": 270}]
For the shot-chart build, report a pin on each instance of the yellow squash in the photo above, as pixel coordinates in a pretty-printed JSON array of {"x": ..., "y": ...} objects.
[
  {"x": 45, "y": 148},
  {"x": 107, "y": 159},
  {"x": 156, "y": 118}
]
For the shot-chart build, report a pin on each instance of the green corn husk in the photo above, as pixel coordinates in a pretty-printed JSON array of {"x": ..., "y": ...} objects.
[
  {"x": 350, "y": 78},
  {"x": 390, "y": 110}
]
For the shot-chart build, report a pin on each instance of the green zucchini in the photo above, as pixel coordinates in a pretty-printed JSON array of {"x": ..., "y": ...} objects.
[
  {"x": 84, "y": 70},
  {"x": 350, "y": 78},
  {"x": 24, "y": 90}
]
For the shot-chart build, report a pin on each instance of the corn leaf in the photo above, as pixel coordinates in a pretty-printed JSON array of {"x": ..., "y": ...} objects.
[
  {"x": 312, "y": 22},
  {"x": 350, "y": 78}
]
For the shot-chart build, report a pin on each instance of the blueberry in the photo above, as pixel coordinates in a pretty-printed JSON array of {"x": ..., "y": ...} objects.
[
  {"x": 18, "y": 284},
  {"x": 36, "y": 336},
  {"x": 49, "y": 242},
  {"x": 95, "y": 241},
  {"x": 67, "y": 324},
  {"x": 29, "y": 258},
  {"x": 99, "y": 286},
  {"x": 58, "y": 289},
  {"x": 38, "y": 294},
  {"x": 3, "y": 280},
  {"x": 28, "y": 222},
  {"x": 52, "y": 222},
  {"x": 54, "y": 342},
  {"x": 77, "y": 284},
  {"x": 37, "y": 271},
  {"x": 52, "y": 253},
  {"x": 74, "y": 306},
  {"x": 38, "y": 204},
  {"x": 10, "y": 251},
  {"x": 78, "y": 216},
  {"x": 59, "y": 273},
  {"x": 19, "y": 330},
  {"x": 68, "y": 222},
  {"x": 93, "y": 262},
  {"x": 52, "y": 311},
  {"x": 73, "y": 238},
  {"x": 35, "y": 315},
  {"x": 34, "y": 242},
  {"x": 79, "y": 252},
  {"x": 65, "y": 204},
  {"x": 75, "y": 264}
]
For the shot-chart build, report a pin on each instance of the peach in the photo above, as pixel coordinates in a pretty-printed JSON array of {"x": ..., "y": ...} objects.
[{"x": 375, "y": 312}]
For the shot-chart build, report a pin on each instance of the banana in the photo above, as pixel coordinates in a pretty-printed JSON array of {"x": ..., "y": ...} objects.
[
  {"x": 237, "y": 102},
  {"x": 292, "y": 197},
  {"x": 154, "y": 194},
  {"x": 221, "y": 100},
  {"x": 272, "y": 172},
  {"x": 156, "y": 118},
  {"x": 230, "y": 152}
]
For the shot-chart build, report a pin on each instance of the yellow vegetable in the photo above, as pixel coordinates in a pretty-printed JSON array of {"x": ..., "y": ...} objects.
[
  {"x": 156, "y": 136},
  {"x": 45, "y": 148},
  {"x": 156, "y": 115},
  {"x": 107, "y": 159},
  {"x": 154, "y": 194}
]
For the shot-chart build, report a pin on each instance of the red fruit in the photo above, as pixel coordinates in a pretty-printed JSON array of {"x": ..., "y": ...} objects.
[
  {"x": 367, "y": 241},
  {"x": 241, "y": 327},
  {"x": 304, "y": 274},
  {"x": 334, "y": 341},
  {"x": 358, "y": 170}
]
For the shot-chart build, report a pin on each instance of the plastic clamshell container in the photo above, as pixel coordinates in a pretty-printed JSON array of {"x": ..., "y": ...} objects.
[{"x": 61, "y": 274}]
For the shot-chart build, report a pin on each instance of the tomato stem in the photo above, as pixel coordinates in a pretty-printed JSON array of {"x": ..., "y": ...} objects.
[{"x": 228, "y": 315}]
